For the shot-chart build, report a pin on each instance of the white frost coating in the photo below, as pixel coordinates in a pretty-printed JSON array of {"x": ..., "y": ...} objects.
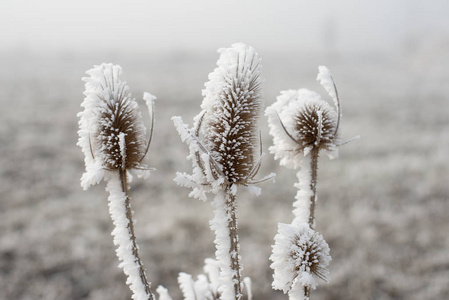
[
  {"x": 325, "y": 79},
  {"x": 249, "y": 292},
  {"x": 212, "y": 269},
  {"x": 201, "y": 181},
  {"x": 121, "y": 141},
  {"x": 122, "y": 237},
  {"x": 149, "y": 100},
  {"x": 299, "y": 256},
  {"x": 186, "y": 284},
  {"x": 163, "y": 293},
  {"x": 302, "y": 204},
  {"x": 223, "y": 243},
  {"x": 202, "y": 288},
  {"x": 195, "y": 290}
]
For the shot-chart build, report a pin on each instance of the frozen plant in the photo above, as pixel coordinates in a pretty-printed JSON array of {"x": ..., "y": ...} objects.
[
  {"x": 113, "y": 139},
  {"x": 225, "y": 151},
  {"x": 303, "y": 124}
]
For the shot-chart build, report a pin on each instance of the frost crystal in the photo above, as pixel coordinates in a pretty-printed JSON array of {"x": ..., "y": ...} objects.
[{"x": 299, "y": 255}]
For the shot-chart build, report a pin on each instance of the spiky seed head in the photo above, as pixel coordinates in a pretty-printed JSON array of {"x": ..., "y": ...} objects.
[
  {"x": 307, "y": 254},
  {"x": 112, "y": 133},
  {"x": 121, "y": 135},
  {"x": 299, "y": 255},
  {"x": 315, "y": 125},
  {"x": 299, "y": 121},
  {"x": 232, "y": 105}
]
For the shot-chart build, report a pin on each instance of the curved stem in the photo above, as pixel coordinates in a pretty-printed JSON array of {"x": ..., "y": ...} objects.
[{"x": 135, "y": 248}]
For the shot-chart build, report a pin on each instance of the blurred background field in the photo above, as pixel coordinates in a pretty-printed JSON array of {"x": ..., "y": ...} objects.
[{"x": 383, "y": 204}]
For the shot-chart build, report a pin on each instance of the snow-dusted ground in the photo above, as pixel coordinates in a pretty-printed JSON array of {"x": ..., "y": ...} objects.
[{"x": 383, "y": 205}]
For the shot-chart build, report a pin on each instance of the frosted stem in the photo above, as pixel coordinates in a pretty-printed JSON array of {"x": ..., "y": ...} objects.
[
  {"x": 227, "y": 243},
  {"x": 234, "y": 250},
  {"x": 306, "y": 293},
  {"x": 132, "y": 235},
  {"x": 313, "y": 181}
]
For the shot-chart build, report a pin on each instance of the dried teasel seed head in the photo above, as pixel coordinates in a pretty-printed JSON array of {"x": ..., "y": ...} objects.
[
  {"x": 231, "y": 106},
  {"x": 314, "y": 126},
  {"x": 112, "y": 133},
  {"x": 300, "y": 121},
  {"x": 299, "y": 255}
]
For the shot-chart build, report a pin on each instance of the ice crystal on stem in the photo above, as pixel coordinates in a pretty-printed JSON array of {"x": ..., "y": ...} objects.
[
  {"x": 113, "y": 139},
  {"x": 302, "y": 124},
  {"x": 225, "y": 151}
]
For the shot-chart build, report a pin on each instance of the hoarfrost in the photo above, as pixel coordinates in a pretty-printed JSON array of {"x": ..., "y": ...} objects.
[
  {"x": 302, "y": 203},
  {"x": 299, "y": 255},
  {"x": 163, "y": 293}
]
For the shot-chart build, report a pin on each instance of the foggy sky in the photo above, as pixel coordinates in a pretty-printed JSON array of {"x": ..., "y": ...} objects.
[{"x": 210, "y": 24}]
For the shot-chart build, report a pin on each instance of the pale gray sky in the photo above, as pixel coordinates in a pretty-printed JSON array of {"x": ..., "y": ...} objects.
[{"x": 210, "y": 24}]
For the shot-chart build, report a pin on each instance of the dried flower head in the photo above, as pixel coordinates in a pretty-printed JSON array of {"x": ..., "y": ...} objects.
[
  {"x": 300, "y": 120},
  {"x": 232, "y": 105},
  {"x": 299, "y": 255},
  {"x": 225, "y": 141},
  {"x": 112, "y": 133}
]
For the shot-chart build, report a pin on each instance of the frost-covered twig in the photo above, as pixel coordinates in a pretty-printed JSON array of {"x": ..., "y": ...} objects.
[
  {"x": 113, "y": 138},
  {"x": 223, "y": 146},
  {"x": 302, "y": 124}
]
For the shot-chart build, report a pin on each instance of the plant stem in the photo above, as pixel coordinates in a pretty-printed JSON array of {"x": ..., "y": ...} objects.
[
  {"x": 135, "y": 248},
  {"x": 226, "y": 241},
  {"x": 307, "y": 293},
  {"x": 313, "y": 183},
  {"x": 234, "y": 249}
]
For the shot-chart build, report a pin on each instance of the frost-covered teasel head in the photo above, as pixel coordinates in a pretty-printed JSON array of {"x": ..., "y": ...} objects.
[
  {"x": 300, "y": 120},
  {"x": 112, "y": 134},
  {"x": 300, "y": 255},
  {"x": 232, "y": 105},
  {"x": 224, "y": 143}
]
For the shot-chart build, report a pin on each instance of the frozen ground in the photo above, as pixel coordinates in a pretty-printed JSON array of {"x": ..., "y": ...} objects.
[{"x": 383, "y": 208}]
